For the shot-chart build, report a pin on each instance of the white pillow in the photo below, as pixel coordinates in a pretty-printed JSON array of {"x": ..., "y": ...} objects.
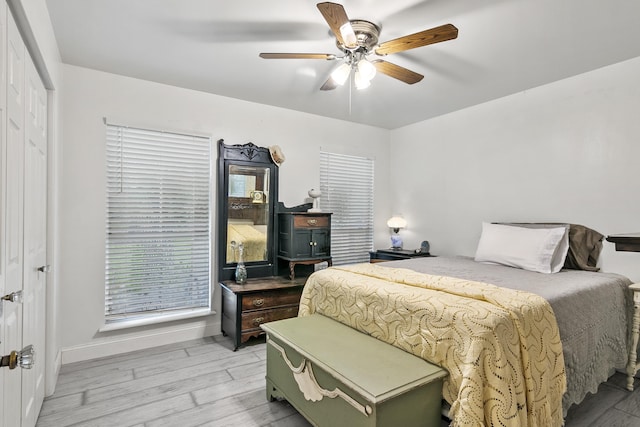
[
  {"x": 535, "y": 249},
  {"x": 563, "y": 247}
]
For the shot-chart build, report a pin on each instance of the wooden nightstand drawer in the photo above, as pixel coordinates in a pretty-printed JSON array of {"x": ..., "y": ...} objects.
[
  {"x": 254, "y": 319},
  {"x": 305, "y": 221},
  {"x": 268, "y": 299}
]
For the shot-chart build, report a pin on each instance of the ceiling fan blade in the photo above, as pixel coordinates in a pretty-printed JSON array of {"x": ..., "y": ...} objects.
[
  {"x": 336, "y": 17},
  {"x": 423, "y": 38},
  {"x": 397, "y": 72},
  {"x": 330, "y": 84},
  {"x": 327, "y": 56}
]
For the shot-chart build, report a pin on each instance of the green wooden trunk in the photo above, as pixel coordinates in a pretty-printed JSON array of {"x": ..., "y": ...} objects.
[{"x": 347, "y": 378}]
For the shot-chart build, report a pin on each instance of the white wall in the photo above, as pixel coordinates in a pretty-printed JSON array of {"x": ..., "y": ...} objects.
[
  {"x": 567, "y": 152},
  {"x": 88, "y": 97},
  {"x": 561, "y": 152}
]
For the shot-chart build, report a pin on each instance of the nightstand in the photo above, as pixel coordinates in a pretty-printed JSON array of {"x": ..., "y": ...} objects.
[
  {"x": 395, "y": 254},
  {"x": 630, "y": 242},
  {"x": 632, "y": 366}
]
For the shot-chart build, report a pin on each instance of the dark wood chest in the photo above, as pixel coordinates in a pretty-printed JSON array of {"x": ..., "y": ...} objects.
[{"x": 245, "y": 307}]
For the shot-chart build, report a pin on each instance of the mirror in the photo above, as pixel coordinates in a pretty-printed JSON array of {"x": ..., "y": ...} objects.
[
  {"x": 247, "y": 191},
  {"x": 248, "y": 212}
]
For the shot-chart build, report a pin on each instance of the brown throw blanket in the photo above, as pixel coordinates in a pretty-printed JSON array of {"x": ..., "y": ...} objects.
[{"x": 501, "y": 347}]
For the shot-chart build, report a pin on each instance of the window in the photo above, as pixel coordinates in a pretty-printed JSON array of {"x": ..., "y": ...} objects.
[
  {"x": 158, "y": 226},
  {"x": 346, "y": 183}
]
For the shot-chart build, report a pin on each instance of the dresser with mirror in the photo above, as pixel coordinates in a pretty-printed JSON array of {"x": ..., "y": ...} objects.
[{"x": 247, "y": 213}]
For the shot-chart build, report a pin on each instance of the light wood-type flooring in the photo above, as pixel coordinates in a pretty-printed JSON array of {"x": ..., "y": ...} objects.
[{"x": 205, "y": 383}]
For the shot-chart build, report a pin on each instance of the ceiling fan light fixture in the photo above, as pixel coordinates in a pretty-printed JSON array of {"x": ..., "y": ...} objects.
[
  {"x": 367, "y": 69},
  {"x": 361, "y": 81},
  {"x": 341, "y": 74},
  {"x": 357, "y": 39},
  {"x": 348, "y": 35}
]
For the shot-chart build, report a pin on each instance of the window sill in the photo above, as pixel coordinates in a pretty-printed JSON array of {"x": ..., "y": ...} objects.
[{"x": 153, "y": 320}]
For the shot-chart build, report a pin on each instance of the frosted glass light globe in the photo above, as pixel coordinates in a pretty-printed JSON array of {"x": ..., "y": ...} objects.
[{"x": 366, "y": 69}]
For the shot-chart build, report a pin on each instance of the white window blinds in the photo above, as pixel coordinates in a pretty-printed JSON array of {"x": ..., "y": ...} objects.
[
  {"x": 346, "y": 183},
  {"x": 158, "y": 226}
]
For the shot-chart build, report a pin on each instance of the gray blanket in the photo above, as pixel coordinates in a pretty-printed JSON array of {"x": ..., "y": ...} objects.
[{"x": 593, "y": 311}]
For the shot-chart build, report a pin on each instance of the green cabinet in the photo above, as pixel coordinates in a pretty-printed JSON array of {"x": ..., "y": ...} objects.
[{"x": 304, "y": 238}]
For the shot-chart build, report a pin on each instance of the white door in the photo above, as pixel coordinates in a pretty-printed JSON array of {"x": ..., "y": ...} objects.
[
  {"x": 23, "y": 232},
  {"x": 13, "y": 227},
  {"x": 35, "y": 243},
  {"x": 3, "y": 157}
]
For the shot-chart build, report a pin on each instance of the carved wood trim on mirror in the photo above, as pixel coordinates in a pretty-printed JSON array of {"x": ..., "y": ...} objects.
[{"x": 247, "y": 196}]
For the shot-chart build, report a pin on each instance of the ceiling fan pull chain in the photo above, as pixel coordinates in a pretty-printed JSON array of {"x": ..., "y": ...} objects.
[{"x": 350, "y": 89}]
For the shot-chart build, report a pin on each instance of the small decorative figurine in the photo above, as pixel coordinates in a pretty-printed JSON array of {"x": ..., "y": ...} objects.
[{"x": 315, "y": 195}]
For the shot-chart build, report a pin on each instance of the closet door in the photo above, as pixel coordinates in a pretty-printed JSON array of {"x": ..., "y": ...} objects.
[
  {"x": 23, "y": 232},
  {"x": 35, "y": 243},
  {"x": 13, "y": 228},
  {"x": 4, "y": 323}
]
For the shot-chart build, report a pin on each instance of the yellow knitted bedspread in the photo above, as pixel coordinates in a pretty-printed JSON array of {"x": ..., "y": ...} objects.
[{"x": 501, "y": 347}]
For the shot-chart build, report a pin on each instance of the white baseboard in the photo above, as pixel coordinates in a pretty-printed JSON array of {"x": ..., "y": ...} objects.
[{"x": 110, "y": 346}]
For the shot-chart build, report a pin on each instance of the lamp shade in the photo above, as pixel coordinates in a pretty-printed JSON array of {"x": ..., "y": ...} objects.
[
  {"x": 360, "y": 81},
  {"x": 396, "y": 222},
  {"x": 366, "y": 69},
  {"x": 348, "y": 35},
  {"x": 340, "y": 74}
]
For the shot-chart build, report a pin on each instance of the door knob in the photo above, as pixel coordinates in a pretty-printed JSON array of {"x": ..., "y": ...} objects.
[
  {"x": 23, "y": 358},
  {"x": 13, "y": 297},
  {"x": 44, "y": 269}
]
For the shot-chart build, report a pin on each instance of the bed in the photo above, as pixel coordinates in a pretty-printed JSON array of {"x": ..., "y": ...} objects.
[{"x": 521, "y": 347}]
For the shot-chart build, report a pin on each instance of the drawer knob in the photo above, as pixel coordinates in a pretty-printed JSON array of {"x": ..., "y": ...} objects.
[
  {"x": 312, "y": 221},
  {"x": 258, "y": 320},
  {"x": 258, "y": 302}
]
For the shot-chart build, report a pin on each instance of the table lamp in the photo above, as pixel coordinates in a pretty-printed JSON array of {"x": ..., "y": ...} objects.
[{"x": 396, "y": 222}]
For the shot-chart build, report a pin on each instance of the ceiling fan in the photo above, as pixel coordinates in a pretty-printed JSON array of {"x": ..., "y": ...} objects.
[{"x": 358, "y": 39}]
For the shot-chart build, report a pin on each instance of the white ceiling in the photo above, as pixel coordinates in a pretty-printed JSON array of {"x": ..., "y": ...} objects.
[{"x": 503, "y": 47}]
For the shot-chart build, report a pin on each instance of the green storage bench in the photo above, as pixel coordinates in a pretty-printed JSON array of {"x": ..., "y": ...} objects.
[{"x": 335, "y": 376}]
